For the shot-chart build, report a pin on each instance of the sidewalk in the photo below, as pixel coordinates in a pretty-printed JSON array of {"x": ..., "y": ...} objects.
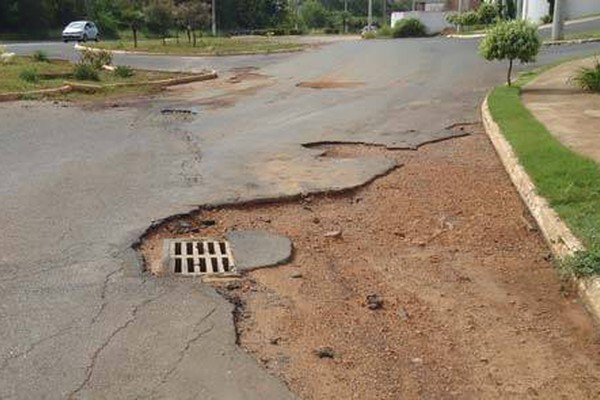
[{"x": 571, "y": 115}]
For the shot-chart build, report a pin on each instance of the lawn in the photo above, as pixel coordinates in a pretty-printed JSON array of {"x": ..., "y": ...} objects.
[
  {"x": 569, "y": 181},
  {"x": 584, "y": 35},
  {"x": 54, "y": 73},
  {"x": 204, "y": 46}
]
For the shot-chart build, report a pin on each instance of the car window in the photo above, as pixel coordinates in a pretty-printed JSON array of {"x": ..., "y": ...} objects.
[{"x": 75, "y": 25}]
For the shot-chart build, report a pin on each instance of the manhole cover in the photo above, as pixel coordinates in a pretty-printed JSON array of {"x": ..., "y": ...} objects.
[{"x": 199, "y": 257}]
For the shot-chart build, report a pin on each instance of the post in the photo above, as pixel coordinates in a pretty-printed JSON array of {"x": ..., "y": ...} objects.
[
  {"x": 557, "y": 21},
  {"x": 460, "y": 11},
  {"x": 345, "y": 15},
  {"x": 370, "y": 18},
  {"x": 414, "y": 6},
  {"x": 214, "y": 17},
  {"x": 384, "y": 7}
]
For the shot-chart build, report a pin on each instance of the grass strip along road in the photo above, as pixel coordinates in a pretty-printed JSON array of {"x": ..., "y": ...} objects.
[{"x": 569, "y": 181}]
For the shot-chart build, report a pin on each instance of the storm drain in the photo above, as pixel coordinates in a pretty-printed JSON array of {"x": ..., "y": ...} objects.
[{"x": 199, "y": 257}]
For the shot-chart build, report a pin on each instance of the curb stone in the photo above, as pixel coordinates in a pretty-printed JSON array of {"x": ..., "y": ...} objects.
[
  {"x": 149, "y": 53},
  {"x": 561, "y": 240}
]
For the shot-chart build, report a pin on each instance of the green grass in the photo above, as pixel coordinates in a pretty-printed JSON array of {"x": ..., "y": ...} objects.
[
  {"x": 569, "y": 181},
  {"x": 584, "y": 35},
  {"x": 54, "y": 74},
  {"x": 204, "y": 46}
]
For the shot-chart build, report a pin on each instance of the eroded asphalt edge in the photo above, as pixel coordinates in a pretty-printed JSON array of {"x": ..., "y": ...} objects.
[{"x": 560, "y": 239}]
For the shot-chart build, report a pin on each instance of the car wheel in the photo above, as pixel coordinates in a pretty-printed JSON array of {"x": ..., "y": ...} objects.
[{"x": 84, "y": 39}]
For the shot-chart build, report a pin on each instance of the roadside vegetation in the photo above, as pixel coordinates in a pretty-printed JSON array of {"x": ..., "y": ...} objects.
[
  {"x": 204, "y": 46},
  {"x": 26, "y": 74},
  {"x": 569, "y": 181},
  {"x": 588, "y": 78},
  {"x": 130, "y": 20}
]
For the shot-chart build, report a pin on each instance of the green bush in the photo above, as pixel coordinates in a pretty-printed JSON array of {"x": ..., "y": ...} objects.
[
  {"x": 384, "y": 31},
  {"x": 487, "y": 13},
  {"x": 29, "y": 75},
  {"x": 123, "y": 71},
  {"x": 511, "y": 40},
  {"x": 86, "y": 72},
  {"x": 547, "y": 19},
  {"x": 369, "y": 35},
  {"x": 588, "y": 78},
  {"x": 96, "y": 58},
  {"x": 409, "y": 27},
  {"x": 468, "y": 18},
  {"x": 40, "y": 56}
]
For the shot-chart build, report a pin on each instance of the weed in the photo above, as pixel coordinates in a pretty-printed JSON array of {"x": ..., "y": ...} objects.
[
  {"x": 29, "y": 75},
  {"x": 124, "y": 71},
  {"x": 588, "y": 78},
  {"x": 40, "y": 56},
  {"x": 86, "y": 72}
]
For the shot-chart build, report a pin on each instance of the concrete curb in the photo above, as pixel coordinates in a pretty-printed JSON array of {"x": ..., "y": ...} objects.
[
  {"x": 561, "y": 240},
  {"x": 91, "y": 88},
  {"x": 148, "y": 53}
]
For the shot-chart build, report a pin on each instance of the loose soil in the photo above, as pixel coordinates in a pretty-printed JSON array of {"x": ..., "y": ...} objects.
[{"x": 468, "y": 303}]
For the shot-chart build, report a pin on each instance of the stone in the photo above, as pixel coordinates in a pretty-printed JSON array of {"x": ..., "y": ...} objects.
[
  {"x": 333, "y": 234},
  {"x": 296, "y": 274},
  {"x": 374, "y": 302},
  {"x": 325, "y": 352}
]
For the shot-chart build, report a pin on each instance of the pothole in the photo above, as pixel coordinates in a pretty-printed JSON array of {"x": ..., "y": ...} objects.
[{"x": 329, "y": 84}]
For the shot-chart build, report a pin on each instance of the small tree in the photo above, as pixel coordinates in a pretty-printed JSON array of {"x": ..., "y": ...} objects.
[
  {"x": 134, "y": 17},
  {"x": 511, "y": 40},
  {"x": 159, "y": 17},
  {"x": 192, "y": 15}
]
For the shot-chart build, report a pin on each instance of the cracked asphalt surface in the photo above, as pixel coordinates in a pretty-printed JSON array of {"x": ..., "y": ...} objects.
[{"x": 78, "y": 317}]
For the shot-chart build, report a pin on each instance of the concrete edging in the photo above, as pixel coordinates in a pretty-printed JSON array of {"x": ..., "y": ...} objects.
[
  {"x": 149, "y": 53},
  {"x": 561, "y": 240},
  {"x": 91, "y": 88}
]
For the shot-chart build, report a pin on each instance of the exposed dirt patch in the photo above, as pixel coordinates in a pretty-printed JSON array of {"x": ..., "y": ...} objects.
[
  {"x": 329, "y": 85},
  {"x": 436, "y": 286}
]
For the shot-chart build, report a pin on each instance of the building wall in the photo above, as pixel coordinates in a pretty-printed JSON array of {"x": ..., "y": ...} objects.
[
  {"x": 535, "y": 10},
  {"x": 452, "y": 5}
]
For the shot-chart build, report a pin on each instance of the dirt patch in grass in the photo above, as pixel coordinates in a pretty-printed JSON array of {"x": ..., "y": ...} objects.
[
  {"x": 471, "y": 305},
  {"x": 329, "y": 85}
]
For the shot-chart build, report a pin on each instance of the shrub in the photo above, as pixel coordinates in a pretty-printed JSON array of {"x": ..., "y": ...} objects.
[
  {"x": 547, "y": 19},
  {"x": 123, "y": 71},
  {"x": 468, "y": 18},
  {"x": 85, "y": 72},
  {"x": 29, "y": 75},
  {"x": 487, "y": 14},
  {"x": 40, "y": 56},
  {"x": 96, "y": 58},
  {"x": 409, "y": 27},
  {"x": 511, "y": 40},
  {"x": 369, "y": 35},
  {"x": 588, "y": 78},
  {"x": 384, "y": 31}
]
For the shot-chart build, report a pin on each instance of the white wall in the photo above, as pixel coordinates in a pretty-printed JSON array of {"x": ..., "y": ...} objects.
[
  {"x": 535, "y": 10},
  {"x": 435, "y": 22},
  {"x": 580, "y": 8}
]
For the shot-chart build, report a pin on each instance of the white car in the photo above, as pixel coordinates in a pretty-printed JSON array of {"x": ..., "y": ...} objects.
[{"x": 82, "y": 31}]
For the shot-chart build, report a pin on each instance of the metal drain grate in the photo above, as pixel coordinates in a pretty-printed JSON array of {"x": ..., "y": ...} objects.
[{"x": 200, "y": 257}]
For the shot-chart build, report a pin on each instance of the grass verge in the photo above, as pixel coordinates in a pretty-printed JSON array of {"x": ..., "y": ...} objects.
[
  {"x": 584, "y": 35},
  {"x": 204, "y": 46},
  {"x": 54, "y": 73},
  {"x": 570, "y": 182}
]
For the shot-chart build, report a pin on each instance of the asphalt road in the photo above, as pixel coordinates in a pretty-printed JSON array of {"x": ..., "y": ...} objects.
[{"x": 78, "y": 317}]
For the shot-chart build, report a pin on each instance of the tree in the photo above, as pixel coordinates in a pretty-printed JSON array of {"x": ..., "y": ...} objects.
[
  {"x": 192, "y": 15},
  {"x": 511, "y": 40},
  {"x": 159, "y": 17},
  {"x": 133, "y": 16}
]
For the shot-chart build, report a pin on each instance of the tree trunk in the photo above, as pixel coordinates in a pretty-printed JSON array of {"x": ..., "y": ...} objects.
[
  {"x": 510, "y": 67},
  {"x": 194, "y": 38},
  {"x": 134, "y": 31},
  {"x": 189, "y": 35}
]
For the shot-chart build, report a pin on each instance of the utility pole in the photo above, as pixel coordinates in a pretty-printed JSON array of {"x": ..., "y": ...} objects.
[
  {"x": 345, "y": 16},
  {"x": 214, "y": 17},
  {"x": 557, "y": 21},
  {"x": 519, "y": 9},
  {"x": 384, "y": 7},
  {"x": 414, "y": 6},
  {"x": 460, "y": 11},
  {"x": 370, "y": 18}
]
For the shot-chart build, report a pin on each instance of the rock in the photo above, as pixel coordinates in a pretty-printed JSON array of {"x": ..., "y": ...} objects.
[
  {"x": 296, "y": 274},
  {"x": 234, "y": 285},
  {"x": 325, "y": 352},
  {"x": 275, "y": 340},
  {"x": 374, "y": 302},
  {"x": 402, "y": 314},
  {"x": 316, "y": 220},
  {"x": 417, "y": 360},
  {"x": 334, "y": 234}
]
